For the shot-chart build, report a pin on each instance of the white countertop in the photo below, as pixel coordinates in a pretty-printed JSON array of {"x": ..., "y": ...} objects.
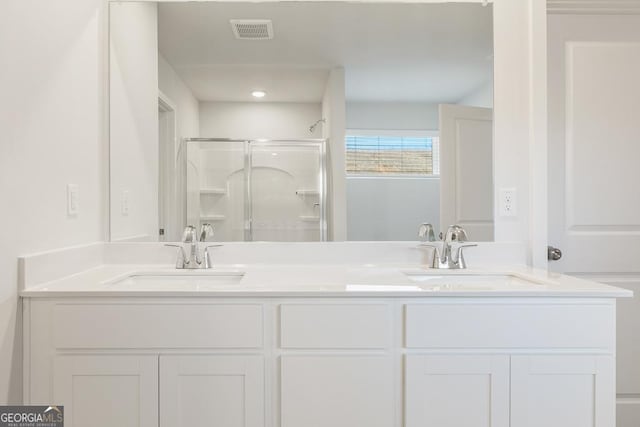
[{"x": 287, "y": 280}]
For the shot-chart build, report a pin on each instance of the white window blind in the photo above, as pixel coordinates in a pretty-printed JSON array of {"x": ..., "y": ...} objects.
[{"x": 392, "y": 155}]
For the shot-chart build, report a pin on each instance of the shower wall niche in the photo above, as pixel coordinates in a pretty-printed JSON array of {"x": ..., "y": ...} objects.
[{"x": 257, "y": 190}]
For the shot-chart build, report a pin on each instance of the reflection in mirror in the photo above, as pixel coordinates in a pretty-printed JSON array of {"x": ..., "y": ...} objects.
[{"x": 300, "y": 121}]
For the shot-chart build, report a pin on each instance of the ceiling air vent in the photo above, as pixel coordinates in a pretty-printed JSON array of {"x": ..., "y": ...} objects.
[{"x": 252, "y": 29}]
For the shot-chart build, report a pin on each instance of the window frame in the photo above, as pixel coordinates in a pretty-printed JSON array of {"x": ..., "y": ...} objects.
[{"x": 404, "y": 133}]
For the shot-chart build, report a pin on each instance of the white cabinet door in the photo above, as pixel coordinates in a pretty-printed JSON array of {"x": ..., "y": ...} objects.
[
  {"x": 562, "y": 391},
  {"x": 216, "y": 390},
  {"x": 457, "y": 391},
  {"x": 337, "y": 391},
  {"x": 107, "y": 391}
]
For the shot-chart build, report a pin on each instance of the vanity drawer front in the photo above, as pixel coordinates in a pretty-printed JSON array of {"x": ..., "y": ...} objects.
[
  {"x": 335, "y": 326},
  {"x": 132, "y": 326},
  {"x": 510, "y": 325}
]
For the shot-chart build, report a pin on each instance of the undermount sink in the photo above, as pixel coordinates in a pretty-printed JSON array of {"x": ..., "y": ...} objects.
[
  {"x": 436, "y": 281},
  {"x": 179, "y": 280}
]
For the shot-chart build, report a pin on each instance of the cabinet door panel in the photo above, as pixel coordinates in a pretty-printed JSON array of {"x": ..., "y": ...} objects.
[
  {"x": 107, "y": 391},
  {"x": 457, "y": 391},
  {"x": 562, "y": 391},
  {"x": 337, "y": 391},
  {"x": 226, "y": 391}
]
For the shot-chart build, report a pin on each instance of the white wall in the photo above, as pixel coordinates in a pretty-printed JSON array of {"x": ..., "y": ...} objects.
[
  {"x": 481, "y": 97},
  {"x": 50, "y": 116},
  {"x": 254, "y": 120},
  {"x": 187, "y": 106},
  {"x": 392, "y": 115},
  {"x": 134, "y": 119},
  {"x": 391, "y": 208}
]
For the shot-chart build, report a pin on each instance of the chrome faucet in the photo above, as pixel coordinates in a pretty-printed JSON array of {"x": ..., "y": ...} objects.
[
  {"x": 197, "y": 257},
  {"x": 448, "y": 252}
]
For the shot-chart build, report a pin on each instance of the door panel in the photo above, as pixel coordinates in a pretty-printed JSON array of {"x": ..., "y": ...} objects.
[
  {"x": 562, "y": 391},
  {"x": 601, "y": 152},
  {"x": 466, "y": 170},
  {"x": 594, "y": 216},
  {"x": 337, "y": 391},
  {"x": 437, "y": 387},
  {"x": 213, "y": 390},
  {"x": 107, "y": 391}
]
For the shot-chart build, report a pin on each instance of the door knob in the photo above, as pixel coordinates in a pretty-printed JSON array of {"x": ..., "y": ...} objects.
[{"x": 553, "y": 254}]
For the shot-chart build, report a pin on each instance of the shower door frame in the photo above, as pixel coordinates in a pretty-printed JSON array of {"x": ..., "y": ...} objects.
[{"x": 247, "y": 143}]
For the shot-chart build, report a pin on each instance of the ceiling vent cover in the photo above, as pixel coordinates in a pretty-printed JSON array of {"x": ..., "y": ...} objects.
[{"x": 252, "y": 29}]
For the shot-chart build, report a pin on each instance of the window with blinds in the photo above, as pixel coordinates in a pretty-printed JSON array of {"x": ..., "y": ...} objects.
[{"x": 390, "y": 155}]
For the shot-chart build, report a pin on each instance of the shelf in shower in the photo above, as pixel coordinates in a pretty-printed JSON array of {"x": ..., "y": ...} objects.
[
  {"x": 310, "y": 218},
  {"x": 307, "y": 192},
  {"x": 212, "y": 217},
  {"x": 213, "y": 191}
]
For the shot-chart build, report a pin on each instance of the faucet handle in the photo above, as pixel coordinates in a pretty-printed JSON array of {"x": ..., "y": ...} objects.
[
  {"x": 425, "y": 232},
  {"x": 455, "y": 233},
  {"x": 189, "y": 235},
  {"x": 206, "y": 232}
]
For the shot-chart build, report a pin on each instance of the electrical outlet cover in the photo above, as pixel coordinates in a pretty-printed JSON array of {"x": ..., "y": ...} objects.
[{"x": 508, "y": 202}]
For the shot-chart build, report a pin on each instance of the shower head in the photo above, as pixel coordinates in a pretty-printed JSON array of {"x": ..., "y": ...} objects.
[{"x": 312, "y": 128}]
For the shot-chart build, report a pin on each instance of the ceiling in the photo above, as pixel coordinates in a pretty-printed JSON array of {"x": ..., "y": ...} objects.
[{"x": 435, "y": 53}]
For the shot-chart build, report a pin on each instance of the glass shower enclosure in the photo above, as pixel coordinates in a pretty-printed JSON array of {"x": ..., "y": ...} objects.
[{"x": 257, "y": 190}]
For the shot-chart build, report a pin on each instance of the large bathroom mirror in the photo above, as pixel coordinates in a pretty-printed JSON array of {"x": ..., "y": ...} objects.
[{"x": 300, "y": 121}]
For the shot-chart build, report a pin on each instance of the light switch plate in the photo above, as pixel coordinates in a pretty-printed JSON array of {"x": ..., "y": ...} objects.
[{"x": 73, "y": 200}]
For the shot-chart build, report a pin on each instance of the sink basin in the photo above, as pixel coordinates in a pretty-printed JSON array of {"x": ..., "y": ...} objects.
[
  {"x": 179, "y": 281},
  {"x": 451, "y": 281}
]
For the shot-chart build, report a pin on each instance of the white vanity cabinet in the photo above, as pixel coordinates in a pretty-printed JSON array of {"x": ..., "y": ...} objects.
[
  {"x": 336, "y": 364},
  {"x": 502, "y": 391},
  {"x": 323, "y": 362},
  {"x": 512, "y": 362}
]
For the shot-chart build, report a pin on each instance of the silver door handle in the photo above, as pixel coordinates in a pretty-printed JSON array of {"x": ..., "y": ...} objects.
[{"x": 553, "y": 254}]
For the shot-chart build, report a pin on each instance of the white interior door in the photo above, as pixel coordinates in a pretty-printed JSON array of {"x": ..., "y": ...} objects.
[
  {"x": 466, "y": 170},
  {"x": 594, "y": 153}
]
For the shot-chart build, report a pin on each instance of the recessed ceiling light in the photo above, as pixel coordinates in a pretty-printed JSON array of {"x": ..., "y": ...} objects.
[{"x": 258, "y": 93}]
